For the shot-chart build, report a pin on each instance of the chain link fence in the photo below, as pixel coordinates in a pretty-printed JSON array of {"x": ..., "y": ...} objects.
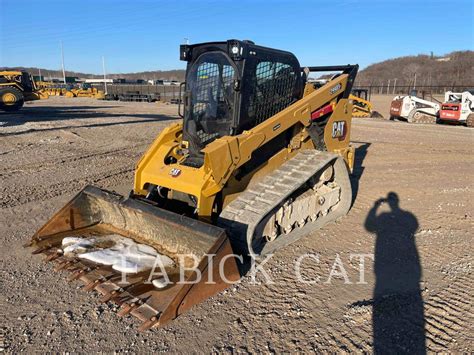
[
  {"x": 166, "y": 93},
  {"x": 407, "y": 89},
  {"x": 169, "y": 93}
]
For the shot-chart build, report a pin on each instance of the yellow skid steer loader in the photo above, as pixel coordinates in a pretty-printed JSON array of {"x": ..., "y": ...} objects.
[
  {"x": 362, "y": 107},
  {"x": 260, "y": 159}
]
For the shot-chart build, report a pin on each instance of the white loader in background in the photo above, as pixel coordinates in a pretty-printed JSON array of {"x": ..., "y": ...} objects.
[
  {"x": 413, "y": 109},
  {"x": 458, "y": 108}
]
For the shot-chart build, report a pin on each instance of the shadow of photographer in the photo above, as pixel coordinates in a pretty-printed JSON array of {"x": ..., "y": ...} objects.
[{"x": 397, "y": 314}]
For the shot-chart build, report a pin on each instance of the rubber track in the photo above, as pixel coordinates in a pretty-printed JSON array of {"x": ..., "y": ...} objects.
[
  {"x": 423, "y": 118},
  {"x": 245, "y": 214}
]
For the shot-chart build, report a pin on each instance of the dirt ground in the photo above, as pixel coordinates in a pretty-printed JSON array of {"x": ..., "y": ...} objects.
[{"x": 418, "y": 292}]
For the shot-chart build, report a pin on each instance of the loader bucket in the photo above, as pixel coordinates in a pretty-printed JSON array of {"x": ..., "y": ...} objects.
[{"x": 196, "y": 248}]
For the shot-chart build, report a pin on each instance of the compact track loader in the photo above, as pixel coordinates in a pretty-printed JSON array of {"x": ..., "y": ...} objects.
[
  {"x": 16, "y": 87},
  {"x": 413, "y": 109},
  {"x": 458, "y": 107},
  {"x": 260, "y": 159},
  {"x": 362, "y": 107}
]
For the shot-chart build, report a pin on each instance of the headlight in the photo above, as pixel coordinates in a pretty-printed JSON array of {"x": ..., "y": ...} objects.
[{"x": 235, "y": 49}]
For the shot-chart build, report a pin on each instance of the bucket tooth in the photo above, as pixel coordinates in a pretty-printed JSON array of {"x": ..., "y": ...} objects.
[
  {"x": 126, "y": 308},
  {"x": 96, "y": 277},
  {"x": 149, "y": 323},
  {"x": 92, "y": 285},
  {"x": 76, "y": 274},
  {"x": 88, "y": 274},
  {"x": 64, "y": 265},
  {"x": 53, "y": 256},
  {"x": 60, "y": 260},
  {"x": 122, "y": 298},
  {"x": 111, "y": 295},
  {"x": 42, "y": 249},
  {"x": 137, "y": 293},
  {"x": 118, "y": 295}
]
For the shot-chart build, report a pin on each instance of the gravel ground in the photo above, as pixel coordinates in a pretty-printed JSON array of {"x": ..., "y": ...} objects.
[{"x": 418, "y": 290}]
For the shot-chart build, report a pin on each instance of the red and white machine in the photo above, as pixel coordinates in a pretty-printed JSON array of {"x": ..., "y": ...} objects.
[
  {"x": 413, "y": 109},
  {"x": 458, "y": 108}
]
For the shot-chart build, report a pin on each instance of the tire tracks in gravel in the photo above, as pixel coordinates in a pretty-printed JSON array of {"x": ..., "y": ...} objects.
[
  {"x": 448, "y": 315},
  {"x": 53, "y": 163},
  {"x": 107, "y": 174},
  {"x": 32, "y": 194}
]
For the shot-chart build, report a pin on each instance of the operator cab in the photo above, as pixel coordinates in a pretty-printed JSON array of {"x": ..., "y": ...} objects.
[
  {"x": 361, "y": 93},
  {"x": 233, "y": 86},
  {"x": 27, "y": 82}
]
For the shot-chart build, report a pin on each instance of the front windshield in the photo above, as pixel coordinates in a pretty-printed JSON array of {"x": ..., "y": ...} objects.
[{"x": 211, "y": 82}]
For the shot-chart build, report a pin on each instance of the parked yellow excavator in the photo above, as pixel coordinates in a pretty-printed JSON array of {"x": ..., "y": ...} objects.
[
  {"x": 17, "y": 87},
  {"x": 260, "y": 159}
]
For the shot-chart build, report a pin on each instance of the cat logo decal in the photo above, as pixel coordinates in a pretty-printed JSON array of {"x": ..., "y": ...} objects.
[{"x": 339, "y": 130}]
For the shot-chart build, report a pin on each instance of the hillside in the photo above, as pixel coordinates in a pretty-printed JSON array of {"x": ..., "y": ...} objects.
[
  {"x": 177, "y": 74},
  {"x": 456, "y": 68}
]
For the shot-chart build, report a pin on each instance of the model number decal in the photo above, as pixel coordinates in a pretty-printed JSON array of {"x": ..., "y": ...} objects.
[
  {"x": 335, "y": 89},
  {"x": 175, "y": 172},
  {"x": 339, "y": 130}
]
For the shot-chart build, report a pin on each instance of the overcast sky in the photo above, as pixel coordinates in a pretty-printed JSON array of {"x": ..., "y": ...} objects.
[{"x": 145, "y": 35}]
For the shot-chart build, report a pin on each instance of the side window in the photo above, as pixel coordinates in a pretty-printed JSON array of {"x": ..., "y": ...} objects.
[{"x": 273, "y": 89}]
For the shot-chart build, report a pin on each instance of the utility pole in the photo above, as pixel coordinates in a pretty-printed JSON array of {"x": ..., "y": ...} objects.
[
  {"x": 62, "y": 62},
  {"x": 394, "y": 85},
  {"x": 388, "y": 87},
  {"x": 39, "y": 72},
  {"x": 414, "y": 83},
  {"x": 105, "y": 77}
]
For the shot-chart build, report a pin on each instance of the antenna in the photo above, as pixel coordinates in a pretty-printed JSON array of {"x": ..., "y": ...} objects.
[{"x": 62, "y": 62}]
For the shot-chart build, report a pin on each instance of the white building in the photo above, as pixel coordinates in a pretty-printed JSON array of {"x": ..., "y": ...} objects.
[{"x": 99, "y": 81}]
